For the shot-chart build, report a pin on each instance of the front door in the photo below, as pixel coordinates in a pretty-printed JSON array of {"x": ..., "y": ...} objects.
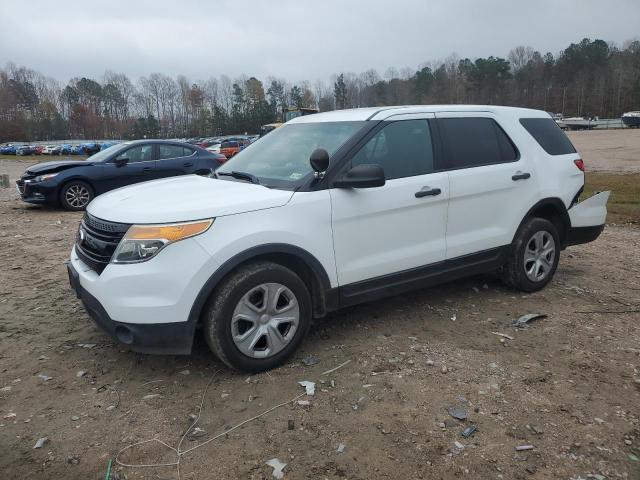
[
  {"x": 401, "y": 225},
  {"x": 134, "y": 165}
]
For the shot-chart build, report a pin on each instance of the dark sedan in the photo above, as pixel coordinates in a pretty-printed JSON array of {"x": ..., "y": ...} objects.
[{"x": 72, "y": 184}]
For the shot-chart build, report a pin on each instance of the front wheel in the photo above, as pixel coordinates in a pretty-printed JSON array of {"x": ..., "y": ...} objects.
[
  {"x": 257, "y": 317},
  {"x": 534, "y": 256},
  {"x": 76, "y": 195}
]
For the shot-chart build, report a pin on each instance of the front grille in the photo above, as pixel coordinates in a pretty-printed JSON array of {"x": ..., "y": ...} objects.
[{"x": 97, "y": 240}]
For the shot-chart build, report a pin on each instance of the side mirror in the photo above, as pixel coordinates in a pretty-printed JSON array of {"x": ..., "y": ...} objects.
[
  {"x": 120, "y": 162},
  {"x": 362, "y": 176},
  {"x": 319, "y": 160}
]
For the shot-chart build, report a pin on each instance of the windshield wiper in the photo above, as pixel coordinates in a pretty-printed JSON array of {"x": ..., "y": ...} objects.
[{"x": 241, "y": 175}]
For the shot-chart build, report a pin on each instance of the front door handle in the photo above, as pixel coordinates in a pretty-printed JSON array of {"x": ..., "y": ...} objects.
[
  {"x": 428, "y": 192},
  {"x": 146, "y": 170},
  {"x": 188, "y": 164},
  {"x": 521, "y": 176}
]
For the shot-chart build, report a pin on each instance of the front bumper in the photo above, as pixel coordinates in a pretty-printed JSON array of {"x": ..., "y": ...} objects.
[
  {"x": 36, "y": 192},
  {"x": 146, "y": 305},
  {"x": 161, "y": 338}
]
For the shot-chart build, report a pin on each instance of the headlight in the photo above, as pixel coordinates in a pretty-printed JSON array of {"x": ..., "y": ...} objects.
[
  {"x": 143, "y": 242},
  {"x": 44, "y": 178}
]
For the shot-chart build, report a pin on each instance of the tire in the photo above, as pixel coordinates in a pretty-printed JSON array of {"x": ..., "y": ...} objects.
[
  {"x": 533, "y": 256},
  {"x": 76, "y": 195},
  {"x": 225, "y": 324}
]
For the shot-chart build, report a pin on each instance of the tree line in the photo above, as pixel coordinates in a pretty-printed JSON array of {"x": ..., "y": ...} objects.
[{"x": 590, "y": 78}]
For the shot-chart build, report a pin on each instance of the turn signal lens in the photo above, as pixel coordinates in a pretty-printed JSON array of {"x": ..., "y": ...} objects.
[
  {"x": 171, "y": 233},
  {"x": 580, "y": 164}
]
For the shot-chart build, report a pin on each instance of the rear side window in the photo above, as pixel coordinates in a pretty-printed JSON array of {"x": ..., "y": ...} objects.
[
  {"x": 402, "y": 149},
  {"x": 476, "y": 141},
  {"x": 173, "y": 151},
  {"x": 548, "y": 135}
]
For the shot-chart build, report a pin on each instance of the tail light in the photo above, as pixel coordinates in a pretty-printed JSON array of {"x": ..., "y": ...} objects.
[{"x": 580, "y": 164}]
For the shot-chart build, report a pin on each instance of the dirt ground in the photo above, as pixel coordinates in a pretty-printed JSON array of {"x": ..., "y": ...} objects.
[
  {"x": 609, "y": 150},
  {"x": 568, "y": 385}
]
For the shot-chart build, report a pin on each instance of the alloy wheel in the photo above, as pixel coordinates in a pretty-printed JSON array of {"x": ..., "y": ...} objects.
[{"x": 77, "y": 196}]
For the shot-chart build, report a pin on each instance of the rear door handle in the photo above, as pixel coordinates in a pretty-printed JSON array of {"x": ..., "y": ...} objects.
[
  {"x": 146, "y": 170},
  {"x": 428, "y": 192},
  {"x": 521, "y": 176},
  {"x": 188, "y": 164}
]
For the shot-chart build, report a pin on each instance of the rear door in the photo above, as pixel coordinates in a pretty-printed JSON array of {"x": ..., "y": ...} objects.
[
  {"x": 139, "y": 167},
  {"x": 492, "y": 183},
  {"x": 175, "y": 160},
  {"x": 401, "y": 225}
]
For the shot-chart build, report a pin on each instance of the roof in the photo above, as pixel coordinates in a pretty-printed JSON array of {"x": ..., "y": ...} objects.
[
  {"x": 156, "y": 140},
  {"x": 381, "y": 113}
]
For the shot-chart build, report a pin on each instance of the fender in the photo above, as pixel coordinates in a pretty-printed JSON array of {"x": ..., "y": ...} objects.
[
  {"x": 557, "y": 205},
  {"x": 270, "y": 248}
]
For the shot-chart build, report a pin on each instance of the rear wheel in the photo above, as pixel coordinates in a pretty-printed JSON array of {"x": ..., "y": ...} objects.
[
  {"x": 534, "y": 256},
  {"x": 257, "y": 317},
  {"x": 76, "y": 195}
]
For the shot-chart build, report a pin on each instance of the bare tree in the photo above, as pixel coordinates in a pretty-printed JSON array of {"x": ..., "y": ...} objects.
[{"x": 519, "y": 57}]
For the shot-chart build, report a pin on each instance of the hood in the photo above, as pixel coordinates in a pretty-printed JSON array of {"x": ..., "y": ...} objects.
[
  {"x": 48, "y": 167},
  {"x": 179, "y": 199}
]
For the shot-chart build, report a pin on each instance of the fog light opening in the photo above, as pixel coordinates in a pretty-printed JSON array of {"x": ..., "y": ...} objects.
[{"x": 124, "y": 335}]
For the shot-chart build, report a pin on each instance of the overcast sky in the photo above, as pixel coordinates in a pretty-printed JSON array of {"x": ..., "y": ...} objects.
[{"x": 294, "y": 39}]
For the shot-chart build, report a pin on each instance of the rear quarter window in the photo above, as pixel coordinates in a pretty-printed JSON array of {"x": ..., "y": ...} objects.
[{"x": 549, "y": 135}]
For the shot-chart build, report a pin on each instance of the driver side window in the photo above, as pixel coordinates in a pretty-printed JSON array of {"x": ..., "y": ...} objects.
[
  {"x": 141, "y": 153},
  {"x": 403, "y": 149}
]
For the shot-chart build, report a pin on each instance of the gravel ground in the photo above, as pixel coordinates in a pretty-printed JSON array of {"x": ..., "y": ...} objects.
[{"x": 568, "y": 385}]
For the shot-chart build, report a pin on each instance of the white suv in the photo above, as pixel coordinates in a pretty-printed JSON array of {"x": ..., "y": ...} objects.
[{"x": 330, "y": 210}]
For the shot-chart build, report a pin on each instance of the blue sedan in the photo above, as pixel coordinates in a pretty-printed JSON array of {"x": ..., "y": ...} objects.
[{"x": 72, "y": 184}]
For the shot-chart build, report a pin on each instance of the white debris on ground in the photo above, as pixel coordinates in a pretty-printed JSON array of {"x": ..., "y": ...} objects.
[
  {"x": 278, "y": 467},
  {"x": 310, "y": 387}
]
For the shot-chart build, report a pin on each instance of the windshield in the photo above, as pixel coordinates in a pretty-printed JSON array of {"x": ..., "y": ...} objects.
[
  {"x": 103, "y": 155},
  {"x": 281, "y": 159}
]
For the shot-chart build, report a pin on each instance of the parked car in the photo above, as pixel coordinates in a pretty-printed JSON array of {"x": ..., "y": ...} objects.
[
  {"x": 327, "y": 211},
  {"x": 38, "y": 149},
  {"x": 229, "y": 148},
  {"x": 8, "y": 150},
  {"x": 77, "y": 150},
  {"x": 65, "y": 149},
  {"x": 105, "y": 145},
  {"x": 90, "y": 148},
  {"x": 52, "y": 150},
  {"x": 72, "y": 184},
  {"x": 208, "y": 142},
  {"x": 26, "y": 150},
  {"x": 631, "y": 119}
]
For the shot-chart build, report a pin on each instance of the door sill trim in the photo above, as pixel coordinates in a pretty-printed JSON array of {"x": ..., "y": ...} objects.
[{"x": 422, "y": 277}]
